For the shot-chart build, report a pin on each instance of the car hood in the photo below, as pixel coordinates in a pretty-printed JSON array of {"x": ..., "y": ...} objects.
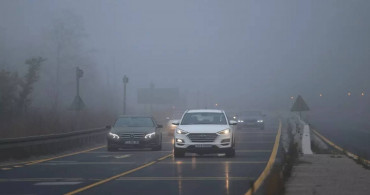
[
  {"x": 203, "y": 128},
  {"x": 133, "y": 129}
]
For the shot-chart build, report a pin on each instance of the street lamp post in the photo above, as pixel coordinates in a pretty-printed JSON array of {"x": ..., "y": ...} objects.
[{"x": 125, "y": 81}]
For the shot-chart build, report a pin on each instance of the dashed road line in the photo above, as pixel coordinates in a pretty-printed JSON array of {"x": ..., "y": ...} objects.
[
  {"x": 62, "y": 183},
  {"x": 214, "y": 162},
  {"x": 117, "y": 176},
  {"x": 48, "y": 159},
  {"x": 182, "y": 178}
]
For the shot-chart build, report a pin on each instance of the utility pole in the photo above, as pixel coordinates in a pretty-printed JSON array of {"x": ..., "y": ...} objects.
[
  {"x": 151, "y": 97},
  {"x": 125, "y": 81}
]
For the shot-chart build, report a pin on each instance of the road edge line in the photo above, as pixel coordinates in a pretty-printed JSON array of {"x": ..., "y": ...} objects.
[
  {"x": 257, "y": 184},
  {"x": 349, "y": 154},
  {"x": 117, "y": 176}
]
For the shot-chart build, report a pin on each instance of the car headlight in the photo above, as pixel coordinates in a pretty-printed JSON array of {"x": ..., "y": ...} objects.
[
  {"x": 180, "y": 131},
  {"x": 149, "y": 135},
  {"x": 224, "y": 132},
  {"x": 259, "y": 121},
  {"x": 113, "y": 135}
]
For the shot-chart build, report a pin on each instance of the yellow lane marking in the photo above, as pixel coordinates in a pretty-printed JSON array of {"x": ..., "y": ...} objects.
[
  {"x": 213, "y": 162},
  {"x": 65, "y": 155},
  {"x": 352, "y": 155},
  {"x": 117, "y": 176},
  {"x": 182, "y": 178},
  {"x": 47, "y": 159},
  {"x": 5, "y": 169},
  {"x": 269, "y": 165}
]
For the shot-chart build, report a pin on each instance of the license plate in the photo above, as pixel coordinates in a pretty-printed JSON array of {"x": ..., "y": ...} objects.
[
  {"x": 203, "y": 145},
  {"x": 131, "y": 142}
]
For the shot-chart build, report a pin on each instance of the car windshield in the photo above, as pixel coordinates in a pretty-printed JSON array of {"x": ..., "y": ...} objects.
[
  {"x": 134, "y": 122},
  {"x": 204, "y": 118}
]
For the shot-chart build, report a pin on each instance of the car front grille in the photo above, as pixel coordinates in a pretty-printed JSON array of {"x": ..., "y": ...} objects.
[
  {"x": 202, "y": 137},
  {"x": 131, "y": 136}
]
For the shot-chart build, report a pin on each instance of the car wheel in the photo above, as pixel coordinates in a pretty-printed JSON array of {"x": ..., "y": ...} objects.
[
  {"x": 178, "y": 153},
  {"x": 230, "y": 153}
]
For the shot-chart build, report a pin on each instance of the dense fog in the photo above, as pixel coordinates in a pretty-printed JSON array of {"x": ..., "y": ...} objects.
[{"x": 233, "y": 55}]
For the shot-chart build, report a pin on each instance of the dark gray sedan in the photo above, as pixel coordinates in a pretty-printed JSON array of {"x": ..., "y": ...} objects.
[{"x": 134, "y": 132}]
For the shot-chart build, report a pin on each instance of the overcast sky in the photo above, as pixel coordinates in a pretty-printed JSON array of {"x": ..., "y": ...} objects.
[{"x": 260, "y": 52}]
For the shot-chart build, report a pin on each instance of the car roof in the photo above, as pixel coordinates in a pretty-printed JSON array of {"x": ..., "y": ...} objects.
[{"x": 205, "y": 110}]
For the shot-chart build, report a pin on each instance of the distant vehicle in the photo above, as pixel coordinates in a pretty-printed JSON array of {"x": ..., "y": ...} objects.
[
  {"x": 134, "y": 132},
  {"x": 171, "y": 127},
  {"x": 251, "y": 119},
  {"x": 204, "y": 131}
]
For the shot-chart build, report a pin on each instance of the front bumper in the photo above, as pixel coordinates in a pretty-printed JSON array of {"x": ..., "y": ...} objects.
[
  {"x": 141, "y": 143},
  {"x": 221, "y": 144}
]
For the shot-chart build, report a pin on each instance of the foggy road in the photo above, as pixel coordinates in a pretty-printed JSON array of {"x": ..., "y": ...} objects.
[{"x": 141, "y": 172}]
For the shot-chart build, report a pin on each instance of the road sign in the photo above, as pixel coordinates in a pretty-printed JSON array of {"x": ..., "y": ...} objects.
[{"x": 299, "y": 105}]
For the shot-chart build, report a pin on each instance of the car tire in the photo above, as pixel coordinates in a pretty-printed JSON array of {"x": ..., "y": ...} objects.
[
  {"x": 177, "y": 153},
  {"x": 230, "y": 153}
]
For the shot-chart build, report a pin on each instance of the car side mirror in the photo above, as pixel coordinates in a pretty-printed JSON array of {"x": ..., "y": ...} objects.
[
  {"x": 176, "y": 122},
  {"x": 159, "y": 126},
  {"x": 108, "y": 126},
  {"x": 232, "y": 122}
]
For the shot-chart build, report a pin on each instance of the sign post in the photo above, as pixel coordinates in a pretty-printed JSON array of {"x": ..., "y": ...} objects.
[
  {"x": 125, "y": 81},
  {"x": 78, "y": 103}
]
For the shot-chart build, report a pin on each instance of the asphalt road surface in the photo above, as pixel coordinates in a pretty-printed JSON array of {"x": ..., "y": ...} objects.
[{"x": 144, "y": 171}]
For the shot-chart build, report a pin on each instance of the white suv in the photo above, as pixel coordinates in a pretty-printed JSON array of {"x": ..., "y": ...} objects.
[{"x": 204, "y": 131}]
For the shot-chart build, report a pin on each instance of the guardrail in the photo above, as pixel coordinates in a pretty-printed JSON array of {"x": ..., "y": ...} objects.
[{"x": 25, "y": 147}]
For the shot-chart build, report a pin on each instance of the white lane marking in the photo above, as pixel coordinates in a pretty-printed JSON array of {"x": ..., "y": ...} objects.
[
  {"x": 182, "y": 178},
  {"x": 48, "y": 179},
  {"x": 123, "y": 156},
  {"x": 104, "y": 156},
  {"x": 214, "y": 162},
  {"x": 89, "y": 163},
  {"x": 56, "y": 183}
]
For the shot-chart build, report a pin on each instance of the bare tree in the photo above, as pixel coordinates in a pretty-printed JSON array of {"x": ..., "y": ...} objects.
[
  {"x": 67, "y": 35},
  {"x": 26, "y": 84}
]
